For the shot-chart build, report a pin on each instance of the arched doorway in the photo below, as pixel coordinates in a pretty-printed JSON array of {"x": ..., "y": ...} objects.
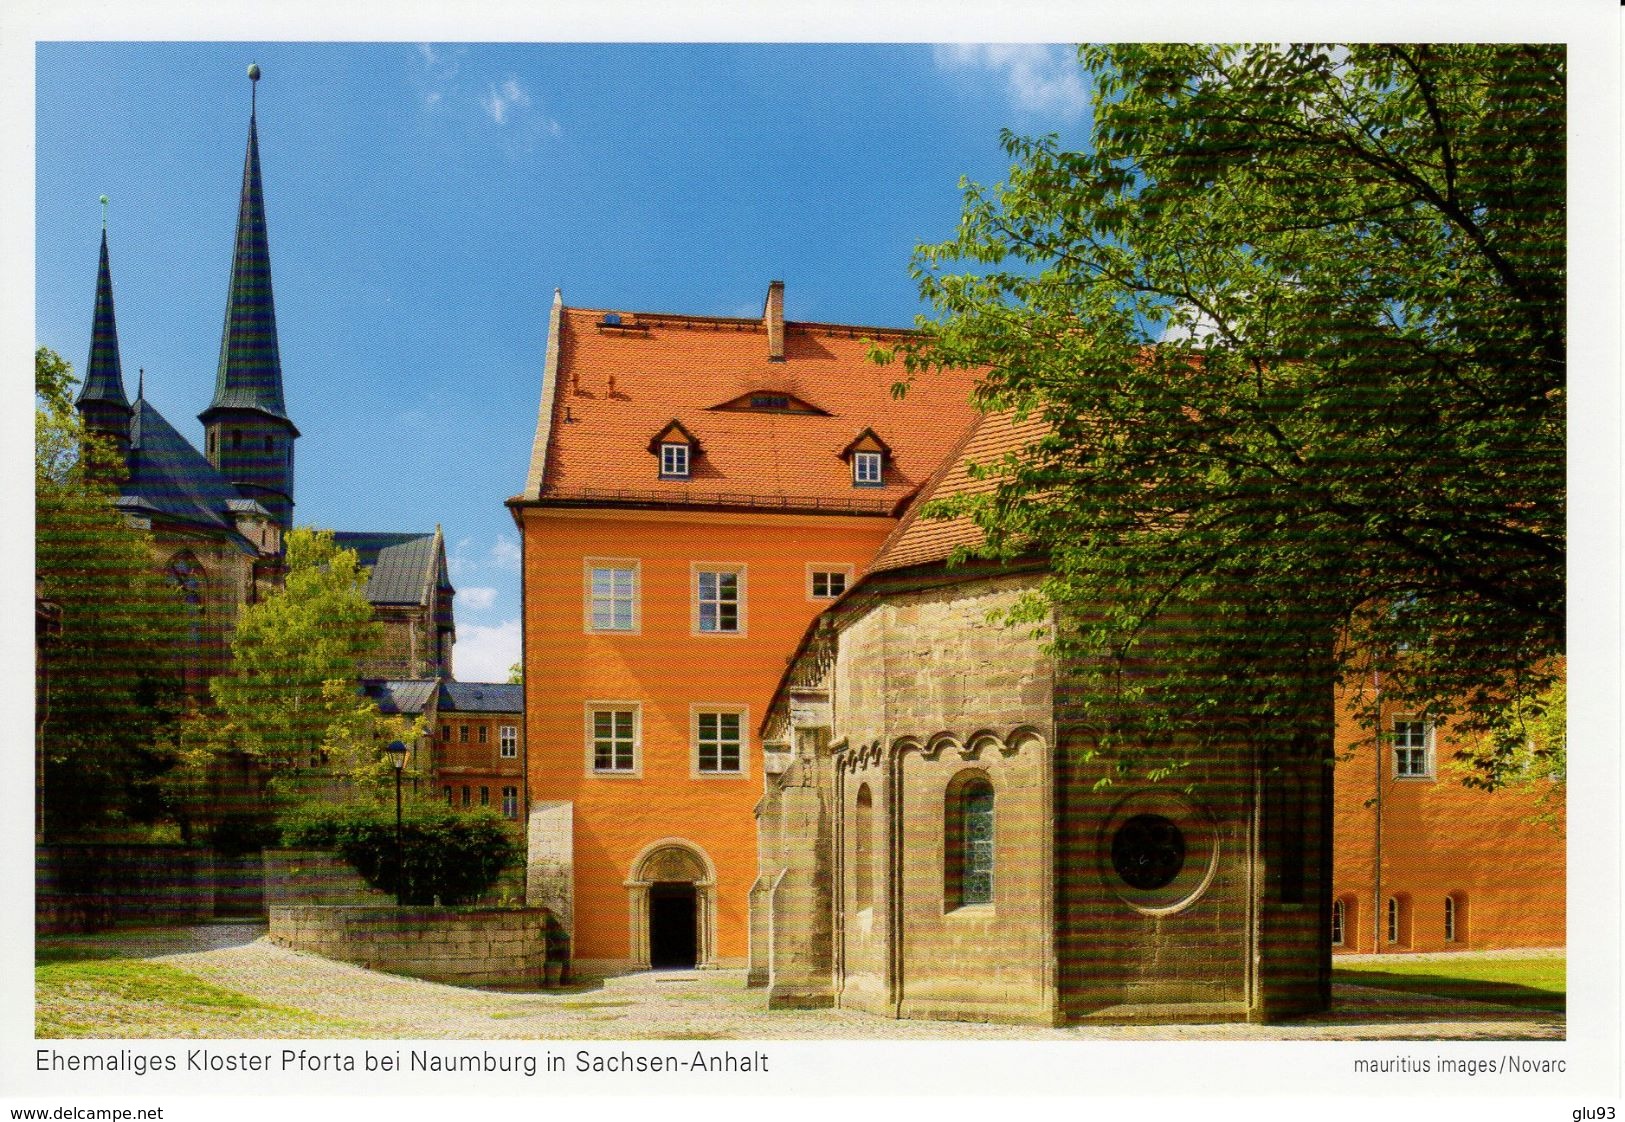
[
  {"x": 673, "y": 933},
  {"x": 672, "y": 906}
]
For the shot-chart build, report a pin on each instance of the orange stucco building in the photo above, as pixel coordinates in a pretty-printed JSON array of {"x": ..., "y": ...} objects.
[
  {"x": 1423, "y": 863},
  {"x": 700, "y": 488}
]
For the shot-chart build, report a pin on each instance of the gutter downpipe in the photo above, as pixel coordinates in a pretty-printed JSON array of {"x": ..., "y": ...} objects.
[{"x": 1376, "y": 878}]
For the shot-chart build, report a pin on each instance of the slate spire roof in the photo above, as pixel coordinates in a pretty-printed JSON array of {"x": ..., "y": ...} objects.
[
  {"x": 104, "y": 375},
  {"x": 250, "y": 371}
]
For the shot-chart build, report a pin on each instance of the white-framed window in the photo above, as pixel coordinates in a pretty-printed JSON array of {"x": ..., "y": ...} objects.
[
  {"x": 484, "y": 733},
  {"x": 1397, "y": 919},
  {"x": 510, "y": 802},
  {"x": 611, "y": 594},
  {"x": 674, "y": 461},
  {"x": 866, "y": 469},
  {"x": 1450, "y": 919},
  {"x": 1413, "y": 749},
  {"x": 719, "y": 599},
  {"x": 508, "y": 741},
  {"x": 826, "y": 582},
  {"x": 612, "y": 737},
  {"x": 720, "y": 740},
  {"x": 1337, "y": 923}
]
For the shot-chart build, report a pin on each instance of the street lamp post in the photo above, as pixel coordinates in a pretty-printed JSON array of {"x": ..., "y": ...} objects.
[{"x": 397, "y": 756}]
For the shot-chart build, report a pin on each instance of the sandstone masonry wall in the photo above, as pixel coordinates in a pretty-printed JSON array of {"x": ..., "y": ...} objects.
[{"x": 506, "y": 947}]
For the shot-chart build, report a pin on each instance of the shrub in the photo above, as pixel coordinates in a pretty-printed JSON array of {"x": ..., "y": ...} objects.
[{"x": 453, "y": 855}]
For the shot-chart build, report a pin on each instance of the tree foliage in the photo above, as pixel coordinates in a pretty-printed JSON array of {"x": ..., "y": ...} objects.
[
  {"x": 1295, "y": 323},
  {"x": 114, "y": 672},
  {"x": 292, "y": 699}
]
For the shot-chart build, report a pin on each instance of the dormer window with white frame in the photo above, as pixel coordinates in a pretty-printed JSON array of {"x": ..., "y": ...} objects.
[
  {"x": 867, "y": 454},
  {"x": 674, "y": 461},
  {"x": 866, "y": 469},
  {"x": 676, "y": 447}
]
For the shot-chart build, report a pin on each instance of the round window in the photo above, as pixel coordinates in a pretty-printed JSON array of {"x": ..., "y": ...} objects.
[
  {"x": 1148, "y": 851},
  {"x": 1158, "y": 851}
]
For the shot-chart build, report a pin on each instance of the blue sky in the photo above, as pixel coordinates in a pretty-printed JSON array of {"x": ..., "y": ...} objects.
[{"x": 424, "y": 200}]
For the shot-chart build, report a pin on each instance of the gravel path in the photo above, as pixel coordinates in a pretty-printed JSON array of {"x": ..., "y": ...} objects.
[{"x": 344, "y": 1001}]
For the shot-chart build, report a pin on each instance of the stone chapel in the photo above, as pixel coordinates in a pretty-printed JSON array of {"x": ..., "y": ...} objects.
[{"x": 933, "y": 843}]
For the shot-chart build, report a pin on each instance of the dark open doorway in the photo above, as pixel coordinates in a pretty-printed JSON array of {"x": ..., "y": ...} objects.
[{"x": 673, "y": 935}]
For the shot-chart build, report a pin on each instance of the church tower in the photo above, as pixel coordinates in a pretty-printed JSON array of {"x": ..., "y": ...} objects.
[
  {"x": 101, "y": 401},
  {"x": 248, "y": 435}
]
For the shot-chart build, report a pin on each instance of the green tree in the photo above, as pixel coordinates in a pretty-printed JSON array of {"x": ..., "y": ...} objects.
[
  {"x": 114, "y": 677},
  {"x": 516, "y": 673},
  {"x": 292, "y": 699},
  {"x": 1295, "y": 322}
]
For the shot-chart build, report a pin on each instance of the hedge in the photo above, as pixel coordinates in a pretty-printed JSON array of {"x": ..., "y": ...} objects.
[{"x": 450, "y": 855}]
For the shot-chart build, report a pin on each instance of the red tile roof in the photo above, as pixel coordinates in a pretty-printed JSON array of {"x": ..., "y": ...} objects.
[
  {"x": 916, "y": 540},
  {"x": 617, "y": 386}
]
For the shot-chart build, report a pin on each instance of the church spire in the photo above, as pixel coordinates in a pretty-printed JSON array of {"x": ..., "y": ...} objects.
[
  {"x": 250, "y": 371},
  {"x": 101, "y": 399},
  {"x": 249, "y": 437}
]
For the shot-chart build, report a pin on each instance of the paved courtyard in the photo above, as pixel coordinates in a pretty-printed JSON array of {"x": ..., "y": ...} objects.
[{"x": 316, "y": 997}]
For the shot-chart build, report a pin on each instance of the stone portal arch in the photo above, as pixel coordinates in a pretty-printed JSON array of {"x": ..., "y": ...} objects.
[{"x": 665, "y": 877}]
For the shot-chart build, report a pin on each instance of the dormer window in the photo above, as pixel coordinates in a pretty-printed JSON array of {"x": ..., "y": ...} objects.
[
  {"x": 676, "y": 447},
  {"x": 866, "y": 469},
  {"x": 867, "y": 454}
]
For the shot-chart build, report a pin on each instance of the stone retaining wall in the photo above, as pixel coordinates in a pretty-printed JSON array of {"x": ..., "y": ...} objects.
[
  {"x": 80, "y": 887},
  {"x": 316, "y": 876},
  {"x": 507, "y": 947}
]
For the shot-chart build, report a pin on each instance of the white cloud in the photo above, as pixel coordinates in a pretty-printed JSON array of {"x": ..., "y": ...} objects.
[
  {"x": 484, "y": 654},
  {"x": 1038, "y": 78},
  {"x": 505, "y": 553},
  {"x": 458, "y": 559},
  {"x": 478, "y": 599},
  {"x": 443, "y": 88},
  {"x": 500, "y": 101}
]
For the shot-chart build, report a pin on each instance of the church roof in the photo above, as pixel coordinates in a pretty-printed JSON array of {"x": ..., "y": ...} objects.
[
  {"x": 771, "y": 431},
  {"x": 104, "y": 375},
  {"x": 406, "y": 568},
  {"x": 408, "y": 698},
  {"x": 170, "y": 478},
  {"x": 916, "y": 540},
  {"x": 250, "y": 372},
  {"x": 482, "y": 697}
]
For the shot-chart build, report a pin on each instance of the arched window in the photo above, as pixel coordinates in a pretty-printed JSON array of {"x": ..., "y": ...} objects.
[
  {"x": 968, "y": 856},
  {"x": 1398, "y": 920},
  {"x": 186, "y": 576},
  {"x": 1455, "y": 917},
  {"x": 1337, "y": 923},
  {"x": 1349, "y": 907},
  {"x": 863, "y": 851}
]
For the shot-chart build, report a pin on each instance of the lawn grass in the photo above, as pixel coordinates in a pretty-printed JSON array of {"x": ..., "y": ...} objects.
[
  {"x": 106, "y": 997},
  {"x": 1525, "y": 983}
]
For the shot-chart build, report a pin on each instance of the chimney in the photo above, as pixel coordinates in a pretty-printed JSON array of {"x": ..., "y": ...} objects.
[{"x": 773, "y": 320}]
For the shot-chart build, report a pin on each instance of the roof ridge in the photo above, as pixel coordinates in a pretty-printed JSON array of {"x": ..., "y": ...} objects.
[{"x": 753, "y": 322}]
